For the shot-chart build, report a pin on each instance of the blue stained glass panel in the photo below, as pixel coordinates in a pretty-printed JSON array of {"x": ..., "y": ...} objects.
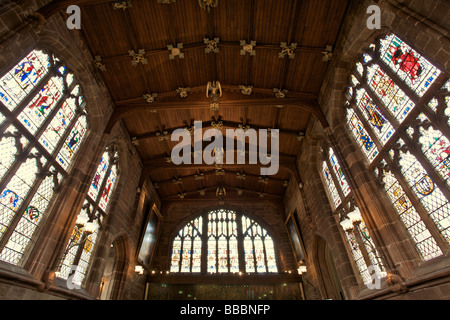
[
  {"x": 362, "y": 137},
  {"x": 20, "y": 80},
  {"x": 42, "y": 104}
]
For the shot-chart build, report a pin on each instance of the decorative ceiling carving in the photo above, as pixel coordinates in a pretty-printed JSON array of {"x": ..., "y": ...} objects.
[{"x": 187, "y": 44}]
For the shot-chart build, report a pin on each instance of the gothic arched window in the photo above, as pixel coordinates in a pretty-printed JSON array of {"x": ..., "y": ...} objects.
[
  {"x": 367, "y": 258},
  {"x": 42, "y": 124},
  {"x": 76, "y": 258},
  {"x": 223, "y": 241},
  {"x": 397, "y": 109}
]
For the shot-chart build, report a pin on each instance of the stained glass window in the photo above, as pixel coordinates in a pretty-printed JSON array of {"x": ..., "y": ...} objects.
[
  {"x": 339, "y": 173},
  {"x": 81, "y": 245},
  {"x": 365, "y": 255},
  {"x": 401, "y": 96},
  {"x": 335, "y": 179},
  {"x": 37, "y": 110},
  {"x": 186, "y": 242},
  {"x": 367, "y": 258},
  {"x": 363, "y": 139},
  {"x": 331, "y": 186},
  {"x": 219, "y": 231},
  {"x": 409, "y": 66}
]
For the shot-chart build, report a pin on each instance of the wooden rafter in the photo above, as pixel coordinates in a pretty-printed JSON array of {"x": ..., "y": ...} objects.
[{"x": 232, "y": 97}]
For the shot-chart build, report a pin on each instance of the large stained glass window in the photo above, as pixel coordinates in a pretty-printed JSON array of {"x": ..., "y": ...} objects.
[
  {"x": 398, "y": 112},
  {"x": 232, "y": 243},
  {"x": 40, "y": 104},
  {"x": 77, "y": 256},
  {"x": 366, "y": 257}
]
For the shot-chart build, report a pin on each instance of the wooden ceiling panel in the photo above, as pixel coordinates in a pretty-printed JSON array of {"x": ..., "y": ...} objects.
[
  {"x": 311, "y": 76},
  {"x": 196, "y": 68},
  {"x": 319, "y": 22},
  {"x": 151, "y": 26},
  {"x": 187, "y": 22},
  {"x": 232, "y": 68},
  {"x": 272, "y": 20},
  {"x": 229, "y": 20},
  {"x": 103, "y": 37},
  {"x": 267, "y": 69},
  {"x": 130, "y": 84},
  {"x": 159, "y": 73},
  {"x": 148, "y": 21}
]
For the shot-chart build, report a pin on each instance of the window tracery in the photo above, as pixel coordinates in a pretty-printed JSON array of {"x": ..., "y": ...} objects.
[
  {"x": 40, "y": 104},
  {"x": 81, "y": 245},
  {"x": 397, "y": 110},
  {"x": 234, "y": 243}
]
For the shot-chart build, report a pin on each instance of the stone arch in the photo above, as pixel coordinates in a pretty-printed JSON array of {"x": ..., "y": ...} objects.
[
  {"x": 329, "y": 282},
  {"x": 117, "y": 267}
]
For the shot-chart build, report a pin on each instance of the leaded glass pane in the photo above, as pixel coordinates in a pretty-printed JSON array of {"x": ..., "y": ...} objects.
[
  {"x": 9, "y": 148},
  {"x": 339, "y": 173},
  {"x": 110, "y": 182},
  {"x": 433, "y": 104},
  {"x": 22, "y": 234},
  {"x": 98, "y": 177},
  {"x": 436, "y": 148},
  {"x": 362, "y": 137},
  {"x": 187, "y": 245},
  {"x": 72, "y": 143},
  {"x": 42, "y": 104},
  {"x": 57, "y": 127},
  {"x": 211, "y": 256},
  {"x": 88, "y": 248},
  {"x": 186, "y": 254},
  {"x": 234, "y": 255},
  {"x": 270, "y": 253},
  {"x": 416, "y": 71},
  {"x": 425, "y": 243},
  {"x": 374, "y": 256},
  {"x": 74, "y": 242},
  {"x": 259, "y": 252},
  {"x": 15, "y": 192},
  {"x": 393, "y": 98},
  {"x": 176, "y": 255},
  {"x": 222, "y": 254},
  {"x": 381, "y": 126},
  {"x": 20, "y": 80},
  {"x": 428, "y": 193},
  {"x": 331, "y": 186},
  {"x": 358, "y": 257},
  {"x": 249, "y": 255},
  {"x": 196, "y": 255}
]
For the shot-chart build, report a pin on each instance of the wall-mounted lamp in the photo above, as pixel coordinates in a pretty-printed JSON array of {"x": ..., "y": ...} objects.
[
  {"x": 139, "y": 269},
  {"x": 301, "y": 269}
]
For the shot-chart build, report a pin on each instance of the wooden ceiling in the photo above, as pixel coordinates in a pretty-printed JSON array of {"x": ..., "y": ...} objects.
[{"x": 150, "y": 25}]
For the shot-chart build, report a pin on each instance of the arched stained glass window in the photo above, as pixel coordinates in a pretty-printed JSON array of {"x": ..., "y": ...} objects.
[
  {"x": 40, "y": 105},
  {"x": 232, "y": 243},
  {"x": 398, "y": 111},
  {"x": 367, "y": 258},
  {"x": 76, "y": 258}
]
